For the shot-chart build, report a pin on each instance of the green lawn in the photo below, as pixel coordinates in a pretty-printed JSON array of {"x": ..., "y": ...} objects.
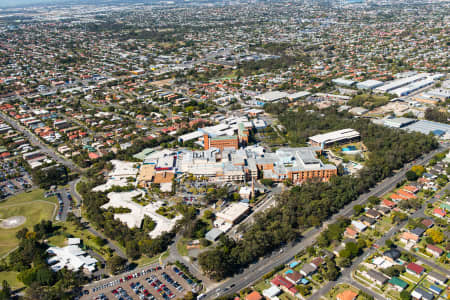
[
  {"x": 261, "y": 286},
  {"x": 33, "y": 206},
  {"x": 68, "y": 228},
  {"x": 11, "y": 278},
  {"x": 144, "y": 260},
  {"x": 182, "y": 249}
]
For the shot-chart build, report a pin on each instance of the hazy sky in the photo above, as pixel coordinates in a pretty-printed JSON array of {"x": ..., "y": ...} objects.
[{"x": 4, "y": 3}]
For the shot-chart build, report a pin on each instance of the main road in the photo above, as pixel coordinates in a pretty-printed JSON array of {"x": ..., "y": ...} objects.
[
  {"x": 346, "y": 275},
  {"x": 35, "y": 141},
  {"x": 255, "y": 271}
]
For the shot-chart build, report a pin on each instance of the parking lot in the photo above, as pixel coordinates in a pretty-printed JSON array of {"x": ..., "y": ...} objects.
[
  {"x": 65, "y": 201},
  {"x": 153, "y": 282},
  {"x": 13, "y": 178}
]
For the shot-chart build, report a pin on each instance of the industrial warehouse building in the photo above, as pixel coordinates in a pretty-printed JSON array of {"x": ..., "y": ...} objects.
[
  {"x": 423, "y": 126},
  {"x": 343, "y": 82},
  {"x": 271, "y": 97},
  {"x": 369, "y": 84},
  {"x": 334, "y": 137}
]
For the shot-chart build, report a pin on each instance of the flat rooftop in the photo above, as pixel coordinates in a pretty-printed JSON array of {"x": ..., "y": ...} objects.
[{"x": 335, "y": 136}]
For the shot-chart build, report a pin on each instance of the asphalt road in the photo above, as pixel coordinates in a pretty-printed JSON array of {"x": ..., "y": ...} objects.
[
  {"x": 346, "y": 273},
  {"x": 255, "y": 271},
  {"x": 78, "y": 198},
  {"x": 40, "y": 144},
  {"x": 66, "y": 203}
]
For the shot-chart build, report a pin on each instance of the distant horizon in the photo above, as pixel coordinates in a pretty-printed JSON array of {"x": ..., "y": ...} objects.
[
  {"x": 24, "y": 3},
  {"x": 19, "y": 3}
]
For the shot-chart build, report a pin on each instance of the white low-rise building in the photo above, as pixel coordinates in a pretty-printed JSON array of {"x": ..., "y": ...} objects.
[{"x": 72, "y": 257}]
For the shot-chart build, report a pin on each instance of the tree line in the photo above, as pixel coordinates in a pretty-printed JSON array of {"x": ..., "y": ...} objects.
[
  {"x": 312, "y": 203},
  {"x": 136, "y": 241},
  {"x": 30, "y": 260}
]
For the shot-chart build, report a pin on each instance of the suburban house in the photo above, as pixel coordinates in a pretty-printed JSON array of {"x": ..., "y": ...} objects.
[
  {"x": 435, "y": 251},
  {"x": 428, "y": 223},
  {"x": 284, "y": 284},
  {"x": 347, "y": 295},
  {"x": 378, "y": 277},
  {"x": 439, "y": 212},
  {"x": 254, "y": 296},
  {"x": 358, "y": 226},
  {"x": 407, "y": 237},
  {"x": 294, "y": 277},
  {"x": 387, "y": 203},
  {"x": 372, "y": 213},
  {"x": 418, "y": 231},
  {"x": 419, "y": 293},
  {"x": 308, "y": 269},
  {"x": 392, "y": 255},
  {"x": 437, "y": 278},
  {"x": 415, "y": 269},
  {"x": 351, "y": 233},
  {"x": 367, "y": 221},
  {"x": 397, "y": 284}
]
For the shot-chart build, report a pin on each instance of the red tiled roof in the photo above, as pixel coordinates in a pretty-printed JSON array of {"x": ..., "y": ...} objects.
[
  {"x": 93, "y": 155},
  {"x": 439, "y": 211},
  {"x": 347, "y": 295},
  {"x": 388, "y": 203},
  {"x": 280, "y": 280},
  {"x": 435, "y": 249},
  {"x": 410, "y": 188},
  {"x": 427, "y": 222},
  {"x": 415, "y": 268},
  {"x": 253, "y": 296}
]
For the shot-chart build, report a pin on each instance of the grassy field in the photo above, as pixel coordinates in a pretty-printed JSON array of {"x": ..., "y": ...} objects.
[
  {"x": 11, "y": 278},
  {"x": 33, "y": 206},
  {"x": 182, "y": 249},
  {"x": 144, "y": 260},
  {"x": 69, "y": 229}
]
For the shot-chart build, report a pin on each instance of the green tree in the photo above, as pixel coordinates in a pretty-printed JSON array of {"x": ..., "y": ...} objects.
[
  {"x": 435, "y": 234},
  {"x": 405, "y": 295},
  {"x": 358, "y": 209},
  {"x": 5, "y": 293},
  {"x": 332, "y": 272},
  {"x": 411, "y": 176},
  {"x": 418, "y": 169},
  {"x": 116, "y": 264},
  {"x": 374, "y": 200},
  {"x": 208, "y": 214}
]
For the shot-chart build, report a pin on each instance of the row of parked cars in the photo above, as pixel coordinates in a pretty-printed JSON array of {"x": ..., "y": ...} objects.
[
  {"x": 184, "y": 276},
  {"x": 141, "y": 291},
  {"x": 172, "y": 282},
  {"x": 160, "y": 287},
  {"x": 13, "y": 178},
  {"x": 105, "y": 285},
  {"x": 121, "y": 294},
  {"x": 125, "y": 278}
]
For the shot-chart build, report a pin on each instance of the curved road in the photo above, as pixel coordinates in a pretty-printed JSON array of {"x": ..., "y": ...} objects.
[{"x": 77, "y": 196}]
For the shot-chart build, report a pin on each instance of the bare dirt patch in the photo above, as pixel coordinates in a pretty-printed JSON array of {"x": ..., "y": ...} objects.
[{"x": 12, "y": 222}]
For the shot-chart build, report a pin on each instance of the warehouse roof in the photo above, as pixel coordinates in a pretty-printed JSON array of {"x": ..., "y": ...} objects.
[
  {"x": 272, "y": 96},
  {"x": 335, "y": 136}
]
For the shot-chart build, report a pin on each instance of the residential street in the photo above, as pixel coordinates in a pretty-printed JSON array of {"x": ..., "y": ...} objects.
[
  {"x": 38, "y": 143},
  {"x": 346, "y": 274}
]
